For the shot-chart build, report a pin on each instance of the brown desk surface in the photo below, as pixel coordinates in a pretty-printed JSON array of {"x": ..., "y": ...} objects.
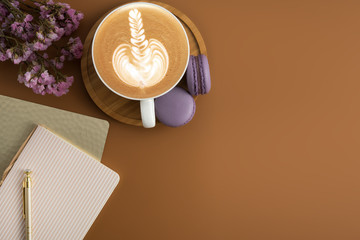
[{"x": 272, "y": 153}]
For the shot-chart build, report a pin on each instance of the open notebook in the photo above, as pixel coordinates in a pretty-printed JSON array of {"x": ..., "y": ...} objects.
[{"x": 69, "y": 190}]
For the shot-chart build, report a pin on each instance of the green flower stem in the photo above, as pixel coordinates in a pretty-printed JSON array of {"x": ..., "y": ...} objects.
[
  {"x": 13, "y": 9},
  {"x": 29, "y": 6},
  {"x": 11, "y": 38}
]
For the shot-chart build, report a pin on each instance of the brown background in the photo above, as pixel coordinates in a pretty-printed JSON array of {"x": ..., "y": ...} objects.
[{"x": 272, "y": 152}]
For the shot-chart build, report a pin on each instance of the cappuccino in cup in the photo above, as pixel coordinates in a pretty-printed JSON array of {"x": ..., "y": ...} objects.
[{"x": 140, "y": 51}]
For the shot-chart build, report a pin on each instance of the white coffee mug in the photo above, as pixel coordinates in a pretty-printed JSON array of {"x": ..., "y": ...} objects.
[{"x": 147, "y": 106}]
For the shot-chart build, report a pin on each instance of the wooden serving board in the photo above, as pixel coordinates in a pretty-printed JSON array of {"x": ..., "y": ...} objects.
[{"x": 122, "y": 109}]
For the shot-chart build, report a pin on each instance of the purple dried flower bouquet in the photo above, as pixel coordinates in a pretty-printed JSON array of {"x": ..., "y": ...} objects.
[{"x": 28, "y": 29}]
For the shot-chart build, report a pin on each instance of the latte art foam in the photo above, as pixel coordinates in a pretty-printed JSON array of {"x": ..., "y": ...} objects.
[{"x": 142, "y": 63}]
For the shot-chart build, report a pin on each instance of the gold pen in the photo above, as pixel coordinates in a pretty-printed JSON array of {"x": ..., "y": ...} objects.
[{"x": 27, "y": 203}]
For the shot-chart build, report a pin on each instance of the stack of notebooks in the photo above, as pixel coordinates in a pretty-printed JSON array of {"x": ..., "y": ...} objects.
[{"x": 70, "y": 186}]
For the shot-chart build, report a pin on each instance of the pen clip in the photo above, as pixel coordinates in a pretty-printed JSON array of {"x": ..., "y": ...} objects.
[{"x": 24, "y": 202}]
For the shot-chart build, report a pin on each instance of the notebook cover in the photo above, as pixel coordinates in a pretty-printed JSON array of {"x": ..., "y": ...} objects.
[
  {"x": 18, "y": 118},
  {"x": 69, "y": 190}
]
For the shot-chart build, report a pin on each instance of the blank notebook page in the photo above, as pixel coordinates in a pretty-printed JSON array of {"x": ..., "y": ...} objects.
[{"x": 69, "y": 190}]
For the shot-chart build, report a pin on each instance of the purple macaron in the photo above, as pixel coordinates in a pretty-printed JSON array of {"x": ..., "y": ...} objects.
[
  {"x": 198, "y": 75},
  {"x": 176, "y": 108}
]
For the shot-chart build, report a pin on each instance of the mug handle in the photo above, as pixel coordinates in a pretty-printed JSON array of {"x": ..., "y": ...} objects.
[{"x": 147, "y": 108}]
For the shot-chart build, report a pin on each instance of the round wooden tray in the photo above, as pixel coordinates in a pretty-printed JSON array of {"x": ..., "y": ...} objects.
[{"x": 122, "y": 109}]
